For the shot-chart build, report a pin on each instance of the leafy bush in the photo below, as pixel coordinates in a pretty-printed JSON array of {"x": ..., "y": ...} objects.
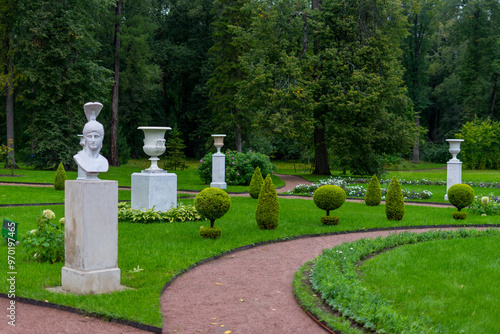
[
  {"x": 240, "y": 167},
  {"x": 461, "y": 196},
  {"x": 181, "y": 213},
  {"x": 330, "y": 220},
  {"x": 336, "y": 279},
  {"x": 46, "y": 242},
  {"x": 435, "y": 152},
  {"x": 329, "y": 197},
  {"x": 394, "y": 201},
  {"x": 256, "y": 183},
  {"x": 210, "y": 232},
  {"x": 459, "y": 215},
  {"x": 268, "y": 207},
  {"x": 373, "y": 195},
  {"x": 485, "y": 205},
  {"x": 481, "y": 146},
  {"x": 60, "y": 177},
  {"x": 212, "y": 203}
]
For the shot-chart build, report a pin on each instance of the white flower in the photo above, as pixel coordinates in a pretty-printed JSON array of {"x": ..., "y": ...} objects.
[
  {"x": 485, "y": 199},
  {"x": 33, "y": 231},
  {"x": 62, "y": 221},
  {"x": 49, "y": 214},
  {"x": 35, "y": 255},
  {"x": 484, "y": 214}
]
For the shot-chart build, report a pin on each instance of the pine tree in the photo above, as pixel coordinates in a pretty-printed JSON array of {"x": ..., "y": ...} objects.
[
  {"x": 175, "y": 149},
  {"x": 394, "y": 201},
  {"x": 60, "y": 177},
  {"x": 373, "y": 195},
  {"x": 268, "y": 206},
  {"x": 256, "y": 183}
]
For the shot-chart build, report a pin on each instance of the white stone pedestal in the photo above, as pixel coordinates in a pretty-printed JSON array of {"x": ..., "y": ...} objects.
[
  {"x": 157, "y": 189},
  {"x": 453, "y": 174},
  {"x": 91, "y": 237},
  {"x": 218, "y": 171}
]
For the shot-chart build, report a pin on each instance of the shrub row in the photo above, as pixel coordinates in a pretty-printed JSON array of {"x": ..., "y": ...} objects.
[
  {"x": 181, "y": 213},
  {"x": 335, "y": 279}
]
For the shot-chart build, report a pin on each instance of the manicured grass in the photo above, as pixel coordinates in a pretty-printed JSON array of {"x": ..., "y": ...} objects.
[
  {"x": 451, "y": 282},
  {"x": 163, "y": 250}
]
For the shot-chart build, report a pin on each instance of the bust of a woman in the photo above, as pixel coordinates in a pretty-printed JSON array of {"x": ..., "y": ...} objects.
[{"x": 89, "y": 159}]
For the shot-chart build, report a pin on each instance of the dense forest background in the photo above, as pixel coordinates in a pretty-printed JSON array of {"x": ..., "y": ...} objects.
[{"x": 349, "y": 84}]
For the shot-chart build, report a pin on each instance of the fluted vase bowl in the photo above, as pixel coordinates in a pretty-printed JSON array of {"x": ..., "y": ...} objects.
[{"x": 154, "y": 145}]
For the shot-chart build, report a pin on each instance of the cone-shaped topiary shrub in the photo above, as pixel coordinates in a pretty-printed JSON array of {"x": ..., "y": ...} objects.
[
  {"x": 461, "y": 196},
  {"x": 329, "y": 197},
  {"x": 60, "y": 177},
  {"x": 373, "y": 195},
  {"x": 394, "y": 201},
  {"x": 268, "y": 206},
  {"x": 212, "y": 203},
  {"x": 256, "y": 183}
]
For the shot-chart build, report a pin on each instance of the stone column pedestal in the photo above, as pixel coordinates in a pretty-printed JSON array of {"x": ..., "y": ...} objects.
[
  {"x": 454, "y": 174},
  {"x": 218, "y": 171},
  {"x": 91, "y": 237},
  {"x": 158, "y": 190}
]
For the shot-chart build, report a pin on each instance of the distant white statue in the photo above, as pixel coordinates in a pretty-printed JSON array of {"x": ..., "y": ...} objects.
[{"x": 89, "y": 159}]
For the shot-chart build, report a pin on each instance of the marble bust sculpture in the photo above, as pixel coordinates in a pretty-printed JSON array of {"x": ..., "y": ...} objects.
[{"x": 89, "y": 159}]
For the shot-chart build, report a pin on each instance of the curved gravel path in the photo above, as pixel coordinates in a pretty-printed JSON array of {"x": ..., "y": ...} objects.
[{"x": 245, "y": 292}]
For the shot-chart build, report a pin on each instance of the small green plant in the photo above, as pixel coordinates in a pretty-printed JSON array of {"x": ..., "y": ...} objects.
[
  {"x": 268, "y": 207},
  {"x": 373, "y": 195},
  {"x": 210, "y": 232},
  {"x": 212, "y": 203},
  {"x": 256, "y": 183},
  {"x": 485, "y": 205},
  {"x": 329, "y": 197},
  {"x": 175, "y": 149},
  {"x": 460, "y": 196},
  {"x": 60, "y": 177},
  {"x": 181, "y": 213},
  {"x": 46, "y": 242},
  {"x": 394, "y": 201}
]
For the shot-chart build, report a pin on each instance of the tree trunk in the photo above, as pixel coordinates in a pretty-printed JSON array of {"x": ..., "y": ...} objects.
[
  {"x": 113, "y": 136},
  {"x": 321, "y": 152},
  {"x": 493, "y": 98},
  {"x": 9, "y": 101},
  {"x": 238, "y": 138},
  {"x": 416, "y": 147}
]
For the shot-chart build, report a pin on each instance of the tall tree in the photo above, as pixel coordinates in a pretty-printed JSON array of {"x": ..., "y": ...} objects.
[
  {"x": 57, "y": 53},
  {"x": 113, "y": 133},
  {"x": 228, "y": 73}
]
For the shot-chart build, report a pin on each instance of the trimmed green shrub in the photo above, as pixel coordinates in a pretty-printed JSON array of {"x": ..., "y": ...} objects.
[
  {"x": 239, "y": 167},
  {"x": 268, "y": 207},
  {"x": 210, "y": 232},
  {"x": 461, "y": 195},
  {"x": 373, "y": 195},
  {"x": 212, "y": 203},
  {"x": 180, "y": 213},
  {"x": 459, "y": 215},
  {"x": 256, "y": 183},
  {"x": 330, "y": 220},
  {"x": 394, "y": 201},
  {"x": 329, "y": 197},
  {"x": 60, "y": 177}
]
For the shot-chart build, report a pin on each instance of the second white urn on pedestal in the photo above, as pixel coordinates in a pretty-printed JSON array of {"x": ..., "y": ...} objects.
[
  {"x": 218, "y": 164},
  {"x": 453, "y": 166}
]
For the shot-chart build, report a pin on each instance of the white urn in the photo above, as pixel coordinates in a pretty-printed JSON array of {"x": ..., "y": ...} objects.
[
  {"x": 218, "y": 142},
  {"x": 454, "y": 147},
  {"x": 154, "y": 145}
]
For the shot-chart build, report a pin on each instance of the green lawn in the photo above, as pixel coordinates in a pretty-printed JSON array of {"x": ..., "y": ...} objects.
[
  {"x": 163, "y": 250},
  {"x": 450, "y": 282}
]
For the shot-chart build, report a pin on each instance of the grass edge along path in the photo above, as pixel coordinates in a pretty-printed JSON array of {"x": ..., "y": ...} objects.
[{"x": 342, "y": 317}]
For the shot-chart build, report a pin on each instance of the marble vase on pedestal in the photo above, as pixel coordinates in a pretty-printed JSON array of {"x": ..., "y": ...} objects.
[
  {"x": 218, "y": 164},
  {"x": 154, "y": 187},
  {"x": 453, "y": 166}
]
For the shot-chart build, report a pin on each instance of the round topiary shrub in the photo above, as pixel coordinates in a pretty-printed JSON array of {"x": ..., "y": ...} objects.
[
  {"x": 210, "y": 232},
  {"x": 212, "y": 203},
  {"x": 330, "y": 220},
  {"x": 329, "y": 197},
  {"x": 256, "y": 183},
  {"x": 373, "y": 195},
  {"x": 459, "y": 215},
  {"x": 60, "y": 177},
  {"x": 394, "y": 201},
  {"x": 461, "y": 195},
  {"x": 268, "y": 207}
]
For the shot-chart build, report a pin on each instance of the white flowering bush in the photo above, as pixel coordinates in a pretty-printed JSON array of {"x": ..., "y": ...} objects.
[
  {"x": 180, "y": 213},
  {"x": 485, "y": 205},
  {"x": 46, "y": 242}
]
